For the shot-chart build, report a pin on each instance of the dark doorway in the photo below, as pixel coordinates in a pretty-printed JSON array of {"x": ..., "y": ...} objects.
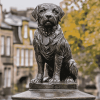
[{"x": 22, "y": 84}]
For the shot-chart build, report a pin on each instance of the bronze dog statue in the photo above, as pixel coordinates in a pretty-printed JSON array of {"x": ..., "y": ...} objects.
[{"x": 51, "y": 47}]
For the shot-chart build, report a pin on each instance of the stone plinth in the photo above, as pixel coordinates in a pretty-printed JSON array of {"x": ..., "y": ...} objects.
[
  {"x": 53, "y": 86},
  {"x": 53, "y": 92}
]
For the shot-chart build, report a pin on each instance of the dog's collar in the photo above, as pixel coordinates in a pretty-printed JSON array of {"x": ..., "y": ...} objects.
[{"x": 46, "y": 32}]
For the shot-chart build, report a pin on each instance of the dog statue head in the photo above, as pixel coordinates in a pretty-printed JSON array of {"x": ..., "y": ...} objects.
[{"x": 47, "y": 14}]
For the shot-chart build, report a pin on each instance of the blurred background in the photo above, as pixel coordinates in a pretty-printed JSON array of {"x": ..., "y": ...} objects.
[{"x": 81, "y": 27}]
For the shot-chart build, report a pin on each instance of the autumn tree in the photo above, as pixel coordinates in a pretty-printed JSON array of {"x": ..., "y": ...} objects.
[{"x": 81, "y": 27}]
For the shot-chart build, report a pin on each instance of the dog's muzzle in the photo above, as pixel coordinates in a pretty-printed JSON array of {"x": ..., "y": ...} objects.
[
  {"x": 49, "y": 19},
  {"x": 48, "y": 23}
]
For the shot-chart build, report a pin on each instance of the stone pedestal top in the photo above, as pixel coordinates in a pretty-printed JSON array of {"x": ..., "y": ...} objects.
[
  {"x": 53, "y": 94},
  {"x": 53, "y": 86},
  {"x": 46, "y": 91}
]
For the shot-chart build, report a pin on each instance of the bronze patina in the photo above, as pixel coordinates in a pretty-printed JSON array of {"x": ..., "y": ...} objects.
[{"x": 51, "y": 47}]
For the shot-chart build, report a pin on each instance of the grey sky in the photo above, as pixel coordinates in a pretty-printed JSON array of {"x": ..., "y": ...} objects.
[{"x": 24, "y": 4}]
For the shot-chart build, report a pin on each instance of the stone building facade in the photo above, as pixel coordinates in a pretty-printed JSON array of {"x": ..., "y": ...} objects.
[
  {"x": 6, "y": 56},
  {"x": 17, "y": 58},
  {"x": 24, "y": 59}
]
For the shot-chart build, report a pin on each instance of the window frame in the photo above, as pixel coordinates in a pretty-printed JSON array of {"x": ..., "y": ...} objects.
[
  {"x": 25, "y": 31},
  {"x": 9, "y": 46},
  {"x": 5, "y": 77},
  {"x": 9, "y": 78},
  {"x": 31, "y": 57},
  {"x": 31, "y": 36},
  {"x": 26, "y": 58},
  {"x": 18, "y": 57},
  {"x": 3, "y": 46},
  {"x": 23, "y": 57}
]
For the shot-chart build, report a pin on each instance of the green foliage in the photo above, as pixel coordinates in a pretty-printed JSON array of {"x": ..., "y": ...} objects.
[{"x": 82, "y": 30}]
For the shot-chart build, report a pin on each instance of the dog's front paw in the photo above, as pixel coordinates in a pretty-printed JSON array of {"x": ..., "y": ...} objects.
[
  {"x": 54, "y": 80},
  {"x": 69, "y": 80},
  {"x": 38, "y": 79},
  {"x": 34, "y": 81}
]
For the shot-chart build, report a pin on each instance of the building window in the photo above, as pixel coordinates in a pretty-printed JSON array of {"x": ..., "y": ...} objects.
[
  {"x": 18, "y": 57},
  {"x": 31, "y": 57},
  {"x": 2, "y": 44},
  {"x": 5, "y": 77},
  {"x": 26, "y": 57},
  {"x": 25, "y": 32},
  {"x": 31, "y": 36},
  {"x": 22, "y": 57},
  {"x": 9, "y": 77},
  {"x": 19, "y": 33},
  {"x": 8, "y": 47}
]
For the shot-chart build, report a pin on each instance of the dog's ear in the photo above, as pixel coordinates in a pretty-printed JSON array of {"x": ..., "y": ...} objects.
[
  {"x": 61, "y": 13},
  {"x": 35, "y": 13}
]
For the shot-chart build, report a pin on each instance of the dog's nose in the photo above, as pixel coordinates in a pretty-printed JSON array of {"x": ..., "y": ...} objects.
[{"x": 48, "y": 16}]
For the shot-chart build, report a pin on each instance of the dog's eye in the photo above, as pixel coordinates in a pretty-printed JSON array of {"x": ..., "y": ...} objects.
[
  {"x": 55, "y": 11},
  {"x": 42, "y": 10}
]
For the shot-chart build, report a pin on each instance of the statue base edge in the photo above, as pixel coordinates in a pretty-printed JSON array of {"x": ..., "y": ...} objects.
[
  {"x": 53, "y": 94},
  {"x": 53, "y": 86}
]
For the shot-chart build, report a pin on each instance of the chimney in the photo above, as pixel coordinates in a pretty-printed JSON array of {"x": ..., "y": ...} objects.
[{"x": 0, "y": 13}]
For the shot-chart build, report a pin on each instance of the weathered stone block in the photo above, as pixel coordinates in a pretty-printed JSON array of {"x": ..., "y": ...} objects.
[{"x": 47, "y": 91}]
